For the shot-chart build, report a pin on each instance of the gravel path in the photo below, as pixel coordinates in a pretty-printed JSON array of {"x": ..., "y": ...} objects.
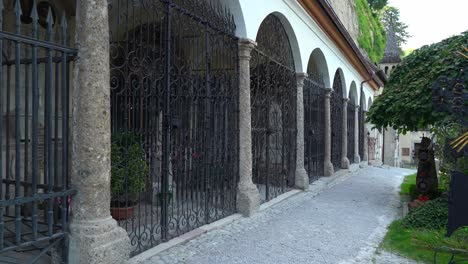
[{"x": 343, "y": 224}]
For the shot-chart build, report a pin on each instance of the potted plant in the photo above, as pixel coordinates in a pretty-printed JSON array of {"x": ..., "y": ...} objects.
[{"x": 128, "y": 172}]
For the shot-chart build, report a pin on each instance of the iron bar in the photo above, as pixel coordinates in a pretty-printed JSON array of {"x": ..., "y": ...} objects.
[
  {"x": 35, "y": 120},
  {"x": 35, "y": 41},
  {"x": 65, "y": 103},
  {"x": 351, "y": 126},
  {"x": 48, "y": 167},
  {"x": 18, "y": 13},
  {"x": 166, "y": 125},
  {"x": 2, "y": 224}
]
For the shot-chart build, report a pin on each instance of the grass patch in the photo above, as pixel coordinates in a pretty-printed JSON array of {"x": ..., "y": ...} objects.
[
  {"x": 409, "y": 181},
  {"x": 419, "y": 244}
]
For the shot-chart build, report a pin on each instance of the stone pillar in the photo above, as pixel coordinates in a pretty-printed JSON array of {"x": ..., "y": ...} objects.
[
  {"x": 301, "y": 177},
  {"x": 248, "y": 197},
  {"x": 94, "y": 236},
  {"x": 328, "y": 166},
  {"x": 357, "y": 158},
  {"x": 344, "y": 136}
]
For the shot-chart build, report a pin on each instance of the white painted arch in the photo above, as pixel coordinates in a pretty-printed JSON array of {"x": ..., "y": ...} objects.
[
  {"x": 318, "y": 65},
  {"x": 308, "y": 34},
  {"x": 353, "y": 94}
]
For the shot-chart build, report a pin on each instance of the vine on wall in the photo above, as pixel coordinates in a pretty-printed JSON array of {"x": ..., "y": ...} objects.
[{"x": 372, "y": 37}]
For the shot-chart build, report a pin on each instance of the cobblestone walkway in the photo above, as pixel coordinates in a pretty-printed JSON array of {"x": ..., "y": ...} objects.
[{"x": 343, "y": 224}]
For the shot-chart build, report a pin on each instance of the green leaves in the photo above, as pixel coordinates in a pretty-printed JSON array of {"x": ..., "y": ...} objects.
[
  {"x": 372, "y": 37},
  {"x": 129, "y": 167},
  {"x": 406, "y": 101}
]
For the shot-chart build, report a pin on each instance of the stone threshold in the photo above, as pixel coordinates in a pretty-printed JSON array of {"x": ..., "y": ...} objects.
[{"x": 315, "y": 187}]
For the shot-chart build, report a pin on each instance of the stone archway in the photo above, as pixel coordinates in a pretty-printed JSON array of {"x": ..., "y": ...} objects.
[{"x": 273, "y": 87}]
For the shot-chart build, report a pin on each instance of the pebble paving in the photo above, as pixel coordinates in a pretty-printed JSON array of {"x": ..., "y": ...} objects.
[{"x": 343, "y": 224}]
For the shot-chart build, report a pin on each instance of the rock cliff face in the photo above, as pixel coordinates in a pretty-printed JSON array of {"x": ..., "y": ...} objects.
[{"x": 346, "y": 11}]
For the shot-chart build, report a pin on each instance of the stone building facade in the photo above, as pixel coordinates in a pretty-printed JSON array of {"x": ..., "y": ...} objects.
[{"x": 170, "y": 114}]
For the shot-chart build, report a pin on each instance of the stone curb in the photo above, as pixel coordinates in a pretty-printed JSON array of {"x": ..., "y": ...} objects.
[{"x": 316, "y": 187}]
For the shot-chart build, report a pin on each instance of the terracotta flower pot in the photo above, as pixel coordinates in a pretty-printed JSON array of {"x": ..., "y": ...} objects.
[{"x": 122, "y": 213}]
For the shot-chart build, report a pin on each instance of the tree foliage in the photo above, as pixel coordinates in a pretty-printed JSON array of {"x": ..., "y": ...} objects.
[
  {"x": 406, "y": 101},
  {"x": 391, "y": 18},
  {"x": 377, "y": 4},
  {"x": 372, "y": 37}
]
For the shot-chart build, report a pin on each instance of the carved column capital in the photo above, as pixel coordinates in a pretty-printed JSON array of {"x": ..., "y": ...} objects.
[
  {"x": 300, "y": 77},
  {"x": 245, "y": 48},
  {"x": 328, "y": 92}
]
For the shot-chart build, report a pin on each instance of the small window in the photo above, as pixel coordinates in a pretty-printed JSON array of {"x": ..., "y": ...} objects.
[
  {"x": 405, "y": 151},
  {"x": 386, "y": 69}
]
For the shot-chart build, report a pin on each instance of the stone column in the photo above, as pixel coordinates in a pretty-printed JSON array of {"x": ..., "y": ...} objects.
[
  {"x": 248, "y": 197},
  {"x": 344, "y": 136},
  {"x": 328, "y": 166},
  {"x": 301, "y": 177},
  {"x": 95, "y": 236},
  {"x": 357, "y": 158}
]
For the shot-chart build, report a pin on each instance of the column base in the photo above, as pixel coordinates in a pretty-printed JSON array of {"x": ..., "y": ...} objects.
[
  {"x": 357, "y": 159},
  {"x": 345, "y": 163},
  {"x": 328, "y": 169},
  {"x": 98, "y": 242},
  {"x": 248, "y": 200},
  {"x": 301, "y": 180}
]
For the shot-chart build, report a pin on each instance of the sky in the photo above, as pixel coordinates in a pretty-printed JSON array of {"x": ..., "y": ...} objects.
[{"x": 431, "y": 21}]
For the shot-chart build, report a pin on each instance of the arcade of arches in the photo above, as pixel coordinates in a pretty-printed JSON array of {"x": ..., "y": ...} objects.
[{"x": 190, "y": 123}]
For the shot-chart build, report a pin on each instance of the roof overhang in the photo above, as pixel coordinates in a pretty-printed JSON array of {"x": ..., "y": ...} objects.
[{"x": 322, "y": 12}]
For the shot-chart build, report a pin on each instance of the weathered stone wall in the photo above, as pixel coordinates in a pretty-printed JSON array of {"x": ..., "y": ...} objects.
[{"x": 346, "y": 11}]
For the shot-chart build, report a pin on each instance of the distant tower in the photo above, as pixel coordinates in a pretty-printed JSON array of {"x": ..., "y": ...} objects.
[
  {"x": 391, "y": 56},
  {"x": 391, "y": 144}
]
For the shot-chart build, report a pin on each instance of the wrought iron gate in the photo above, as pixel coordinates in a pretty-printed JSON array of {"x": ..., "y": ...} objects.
[
  {"x": 336, "y": 109},
  {"x": 351, "y": 132},
  {"x": 362, "y": 136},
  {"x": 314, "y": 125},
  {"x": 34, "y": 98},
  {"x": 174, "y": 80},
  {"x": 273, "y": 89}
]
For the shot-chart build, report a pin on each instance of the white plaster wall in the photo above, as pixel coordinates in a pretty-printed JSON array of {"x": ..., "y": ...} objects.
[{"x": 305, "y": 35}]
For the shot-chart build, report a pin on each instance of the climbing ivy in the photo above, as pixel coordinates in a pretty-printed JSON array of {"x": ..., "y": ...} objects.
[
  {"x": 372, "y": 37},
  {"x": 406, "y": 101}
]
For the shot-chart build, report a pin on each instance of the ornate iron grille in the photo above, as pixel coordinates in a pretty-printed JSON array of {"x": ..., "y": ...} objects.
[
  {"x": 361, "y": 127},
  {"x": 174, "y": 80},
  {"x": 273, "y": 89},
  {"x": 34, "y": 98},
  {"x": 351, "y": 132},
  {"x": 336, "y": 109},
  {"x": 314, "y": 126}
]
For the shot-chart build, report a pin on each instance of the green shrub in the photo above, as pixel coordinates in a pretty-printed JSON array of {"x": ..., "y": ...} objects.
[
  {"x": 372, "y": 37},
  {"x": 129, "y": 169},
  {"x": 431, "y": 215}
]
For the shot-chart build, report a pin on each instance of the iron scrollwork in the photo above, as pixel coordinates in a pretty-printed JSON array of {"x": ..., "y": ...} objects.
[
  {"x": 336, "y": 109},
  {"x": 314, "y": 126},
  {"x": 361, "y": 126},
  {"x": 351, "y": 132},
  {"x": 273, "y": 86},
  {"x": 174, "y": 81}
]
